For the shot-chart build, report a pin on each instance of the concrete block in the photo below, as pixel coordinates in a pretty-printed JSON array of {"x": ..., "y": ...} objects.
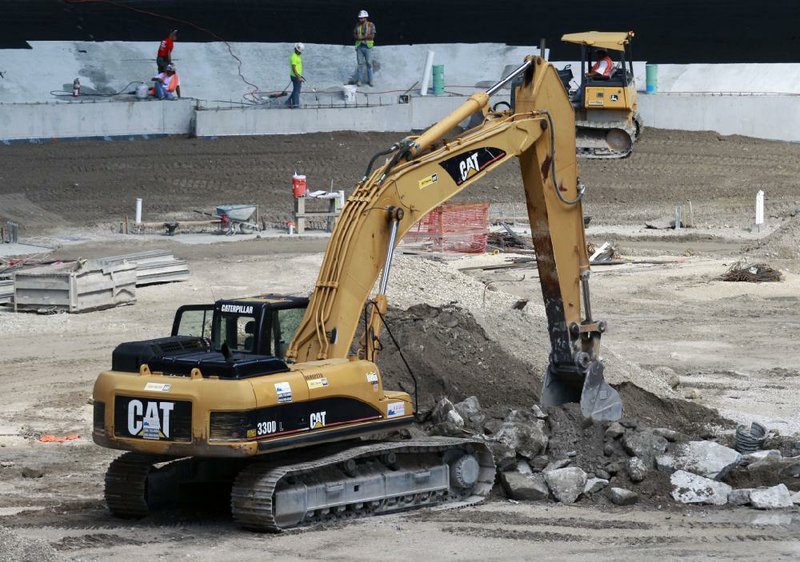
[{"x": 692, "y": 488}]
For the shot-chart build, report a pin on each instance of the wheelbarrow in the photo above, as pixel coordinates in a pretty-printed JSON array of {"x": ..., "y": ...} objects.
[{"x": 235, "y": 219}]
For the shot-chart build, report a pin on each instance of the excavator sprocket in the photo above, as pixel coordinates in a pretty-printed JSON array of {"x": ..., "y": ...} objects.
[{"x": 360, "y": 481}]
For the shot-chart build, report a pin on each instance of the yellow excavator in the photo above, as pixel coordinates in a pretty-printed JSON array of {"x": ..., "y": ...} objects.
[
  {"x": 264, "y": 397},
  {"x": 606, "y": 106}
]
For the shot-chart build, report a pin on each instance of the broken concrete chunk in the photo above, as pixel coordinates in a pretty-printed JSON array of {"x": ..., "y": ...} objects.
[
  {"x": 441, "y": 410},
  {"x": 796, "y": 498},
  {"x": 537, "y": 411},
  {"x": 523, "y": 487},
  {"x": 706, "y": 458},
  {"x": 523, "y": 467},
  {"x": 693, "y": 488},
  {"x": 600, "y": 473},
  {"x": 621, "y": 496},
  {"x": 505, "y": 457},
  {"x": 615, "y": 430},
  {"x": 668, "y": 434},
  {"x": 776, "y": 497},
  {"x": 539, "y": 462},
  {"x": 555, "y": 465},
  {"x": 646, "y": 445},
  {"x": 594, "y": 485},
  {"x": 529, "y": 440},
  {"x": 470, "y": 412},
  {"x": 566, "y": 484},
  {"x": 760, "y": 455},
  {"x": 740, "y": 496},
  {"x": 637, "y": 470}
]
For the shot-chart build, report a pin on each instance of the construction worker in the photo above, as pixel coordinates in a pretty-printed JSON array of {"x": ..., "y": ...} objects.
[
  {"x": 164, "y": 56},
  {"x": 168, "y": 84},
  {"x": 364, "y": 34},
  {"x": 296, "y": 74},
  {"x": 601, "y": 70}
]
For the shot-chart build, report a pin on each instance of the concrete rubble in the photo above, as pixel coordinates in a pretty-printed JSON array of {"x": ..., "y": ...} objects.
[
  {"x": 534, "y": 467},
  {"x": 637, "y": 469},
  {"x": 566, "y": 484},
  {"x": 692, "y": 488},
  {"x": 524, "y": 487},
  {"x": 706, "y": 458},
  {"x": 594, "y": 485},
  {"x": 621, "y": 496},
  {"x": 526, "y": 437},
  {"x": 646, "y": 445},
  {"x": 776, "y": 497},
  {"x": 740, "y": 496}
]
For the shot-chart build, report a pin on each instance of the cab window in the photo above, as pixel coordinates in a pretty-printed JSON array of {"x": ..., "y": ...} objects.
[
  {"x": 285, "y": 324},
  {"x": 237, "y": 330}
]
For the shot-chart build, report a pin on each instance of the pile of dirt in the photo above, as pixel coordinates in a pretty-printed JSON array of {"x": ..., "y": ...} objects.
[
  {"x": 452, "y": 356},
  {"x": 780, "y": 244},
  {"x": 19, "y": 549}
]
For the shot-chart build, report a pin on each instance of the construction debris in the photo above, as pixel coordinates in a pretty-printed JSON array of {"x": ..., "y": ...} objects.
[
  {"x": 78, "y": 286},
  {"x": 6, "y": 290},
  {"x": 152, "y": 266},
  {"x": 751, "y": 273}
]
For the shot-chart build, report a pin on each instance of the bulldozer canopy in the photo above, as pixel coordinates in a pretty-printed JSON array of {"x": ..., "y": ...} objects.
[{"x": 608, "y": 40}]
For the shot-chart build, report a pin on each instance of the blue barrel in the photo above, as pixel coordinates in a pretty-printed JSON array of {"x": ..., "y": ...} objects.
[
  {"x": 438, "y": 79},
  {"x": 652, "y": 78}
]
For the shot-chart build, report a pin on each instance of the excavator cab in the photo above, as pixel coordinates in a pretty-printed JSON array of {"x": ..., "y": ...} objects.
[{"x": 606, "y": 106}]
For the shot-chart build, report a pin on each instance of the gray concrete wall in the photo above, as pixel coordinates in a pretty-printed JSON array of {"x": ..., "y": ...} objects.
[
  {"x": 775, "y": 117},
  {"x": 420, "y": 113},
  {"x": 42, "y": 121}
]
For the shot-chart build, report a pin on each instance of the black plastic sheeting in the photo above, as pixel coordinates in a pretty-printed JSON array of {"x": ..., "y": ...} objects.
[{"x": 668, "y": 31}]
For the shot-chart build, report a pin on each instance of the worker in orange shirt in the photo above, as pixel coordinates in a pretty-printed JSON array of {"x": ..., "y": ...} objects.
[
  {"x": 164, "y": 56},
  {"x": 601, "y": 70},
  {"x": 168, "y": 84}
]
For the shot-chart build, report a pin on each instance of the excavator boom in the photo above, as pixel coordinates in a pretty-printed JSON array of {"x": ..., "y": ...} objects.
[{"x": 426, "y": 171}]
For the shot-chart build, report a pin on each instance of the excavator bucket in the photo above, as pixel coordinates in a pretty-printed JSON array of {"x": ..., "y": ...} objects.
[{"x": 598, "y": 400}]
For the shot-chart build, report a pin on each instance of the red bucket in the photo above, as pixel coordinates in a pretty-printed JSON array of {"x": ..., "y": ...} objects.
[{"x": 298, "y": 185}]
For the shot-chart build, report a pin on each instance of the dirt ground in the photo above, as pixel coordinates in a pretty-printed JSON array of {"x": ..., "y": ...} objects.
[{"x": 670, "y": 320}]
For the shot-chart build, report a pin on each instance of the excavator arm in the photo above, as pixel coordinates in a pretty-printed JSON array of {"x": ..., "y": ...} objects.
[{"x": 423, "y": 172}]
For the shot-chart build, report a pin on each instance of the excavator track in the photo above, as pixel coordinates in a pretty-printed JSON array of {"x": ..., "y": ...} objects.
[
  {"x": 607, "y": 139},
  {"x": 126, "y": 490},
  {"x": 137, "y": 484},
  {"x": 360, "y": 481}
]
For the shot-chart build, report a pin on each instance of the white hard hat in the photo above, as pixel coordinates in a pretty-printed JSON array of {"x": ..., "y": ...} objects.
[
  {"x": 363, "y": 14},
  {"x": 299, "y": 47}
]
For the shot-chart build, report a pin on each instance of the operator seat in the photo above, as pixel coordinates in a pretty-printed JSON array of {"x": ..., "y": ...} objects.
[{"x": 249, "y": 340}]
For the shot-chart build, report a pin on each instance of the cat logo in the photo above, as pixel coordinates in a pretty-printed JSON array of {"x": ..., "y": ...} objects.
[
  {"x": 469, "y": 167},
  {"x": 614, "y": 97},
  {"x": 150, "y": 421},
  {"x": 317, "y": 420},
  {"x": 469, "y": 164}
]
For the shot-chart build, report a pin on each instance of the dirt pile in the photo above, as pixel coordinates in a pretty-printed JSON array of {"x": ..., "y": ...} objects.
[
  {"x": 521, "y": 333},
  {"x": 14, "y": 547},
  {"x": 451, "y": 355},
  {"x": 780, "y": 244}
]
